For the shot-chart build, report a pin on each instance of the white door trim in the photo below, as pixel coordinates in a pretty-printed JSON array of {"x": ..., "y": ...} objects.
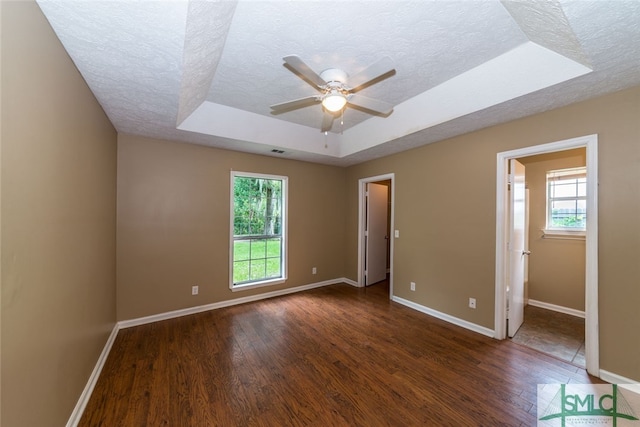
[
  {"x": 362, "y": 188},
  {"x": 590, "y": 142}
]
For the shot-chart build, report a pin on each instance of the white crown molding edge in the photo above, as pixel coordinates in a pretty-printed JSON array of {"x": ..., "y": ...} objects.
[
  {"x": 446, "y": 317},
  {"x": 558, "y": 308}
]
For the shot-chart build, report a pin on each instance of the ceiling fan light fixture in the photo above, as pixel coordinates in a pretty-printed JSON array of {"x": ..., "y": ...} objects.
[{"x": 334, "y": 101}]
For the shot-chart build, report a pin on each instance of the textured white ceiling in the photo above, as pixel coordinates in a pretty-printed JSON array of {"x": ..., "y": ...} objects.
[
  {"x": 206, "y": 72},
  {"x": 417, "y": 36}
]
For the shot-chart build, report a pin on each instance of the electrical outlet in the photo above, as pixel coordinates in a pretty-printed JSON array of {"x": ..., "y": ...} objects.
[
  {"x": 314, "y": 270},
  {"x": 413, "y": 286},
  {"x": 194, "y": 290},
  {"x": 472, "y": 303}
]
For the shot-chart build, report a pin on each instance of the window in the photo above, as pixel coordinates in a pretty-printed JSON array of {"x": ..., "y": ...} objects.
[
  {"x": 567, "y": 199},
  {"x": 258, "y": 229}
]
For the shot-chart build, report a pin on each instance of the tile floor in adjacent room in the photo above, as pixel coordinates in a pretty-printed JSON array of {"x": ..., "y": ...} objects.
[{"x": 558, "y": 334}]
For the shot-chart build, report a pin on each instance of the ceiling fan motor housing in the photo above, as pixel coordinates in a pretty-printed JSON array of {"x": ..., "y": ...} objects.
[{"x": 332, "y": 75}]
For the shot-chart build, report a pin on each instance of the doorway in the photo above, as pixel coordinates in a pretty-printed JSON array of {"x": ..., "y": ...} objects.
[
  {"x": 554, "y": 282},
  {"x": 591, "y": 264},
  {"x": 364, "y": 227}
]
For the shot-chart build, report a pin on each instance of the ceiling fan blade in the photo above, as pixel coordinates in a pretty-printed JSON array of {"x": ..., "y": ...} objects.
[
  {"x": 372, "y": 72},
  {"x": 381, "y": 107},
  {"x": 299, "y": 65},
  {"x": 327, "y": 122},
  {"x": 295, "y": 104}
]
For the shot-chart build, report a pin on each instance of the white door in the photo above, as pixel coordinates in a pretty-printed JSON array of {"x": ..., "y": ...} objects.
[
  {"x": 376, "y": 233},
  {"x": 517, "y": 250}
]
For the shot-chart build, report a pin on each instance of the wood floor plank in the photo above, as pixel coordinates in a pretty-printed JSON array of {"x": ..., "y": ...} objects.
[{"x": 337, "y": 355}]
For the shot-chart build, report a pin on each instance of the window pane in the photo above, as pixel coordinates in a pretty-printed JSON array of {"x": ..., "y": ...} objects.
[
  {"x": 565, "y": 189},
  {"x": 568, "y": 214},
  {"x": 563, "y": 206},
  {"x": 258, "y": 268},
  {"x": 582, "y": 188},
  {"x": 273, "y": 248},
  {"x": 258, "y": 249},
  {"x": 240, "y": 271},
  {"x": 273, "y": 267},
  {"x": 241, "y": 250},
  {"x": 257, "y": 228},
  {"x": 581, "y": 211}
]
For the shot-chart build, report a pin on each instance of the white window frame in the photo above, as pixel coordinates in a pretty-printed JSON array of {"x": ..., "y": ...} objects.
[
  {"x": 556, "y": 175},
  {"x": 284, "y": 231}
]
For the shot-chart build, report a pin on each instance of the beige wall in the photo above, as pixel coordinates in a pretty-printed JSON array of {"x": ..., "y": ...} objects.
[
  {"x": 58, "y": 224},
  {"x": 173, "y": 223},
  {"x": 556, "y": 266},
  {"x": 445, "y": 211},
  {"x": 1, "y": 215}
]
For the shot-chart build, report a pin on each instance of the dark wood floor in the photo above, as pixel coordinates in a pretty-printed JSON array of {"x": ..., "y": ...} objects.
[{"x": 333, "y": 356}]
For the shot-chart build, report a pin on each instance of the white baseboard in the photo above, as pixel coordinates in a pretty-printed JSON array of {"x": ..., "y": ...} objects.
[
  {"x": 74, "y": 419},
  {"x": 446, "y": 317},
  {"x": 558, "y": 308},
  {"x": 627, "y": 383},
  {"x": 216, "y": 305},
  {"x": 349, "y": 282}
]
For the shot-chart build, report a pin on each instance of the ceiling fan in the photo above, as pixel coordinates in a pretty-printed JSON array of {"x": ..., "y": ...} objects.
[{"x": 337, "y": 89}]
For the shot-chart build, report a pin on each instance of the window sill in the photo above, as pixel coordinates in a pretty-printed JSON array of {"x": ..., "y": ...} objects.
[
  {"x": 564, "y": 234},
  {"x": 247, "y": 286}
]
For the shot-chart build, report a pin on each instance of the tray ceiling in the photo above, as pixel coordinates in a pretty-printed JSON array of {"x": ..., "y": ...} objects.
[{"x": 206, "y": 72}]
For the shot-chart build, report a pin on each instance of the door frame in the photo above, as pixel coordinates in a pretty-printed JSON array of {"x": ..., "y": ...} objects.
[
  {"x": 362, "y": 222},
  {"x": 590, "y": 142}
]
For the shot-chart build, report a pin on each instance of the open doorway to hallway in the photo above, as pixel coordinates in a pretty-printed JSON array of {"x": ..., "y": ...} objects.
[
  {"x": 375, "y": 243},
  {"x": 377, "y": 232}
]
